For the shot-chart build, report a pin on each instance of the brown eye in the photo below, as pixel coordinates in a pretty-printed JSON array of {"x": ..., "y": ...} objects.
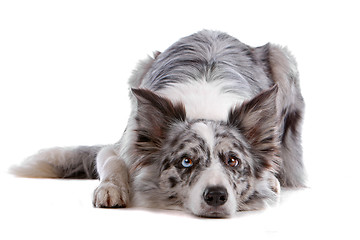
[{"x": 232, "y": 162}]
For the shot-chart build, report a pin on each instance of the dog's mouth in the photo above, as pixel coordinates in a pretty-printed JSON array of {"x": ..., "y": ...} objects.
[
  {"x": 213, "y": 212},
  {"x": 205, "y": 211},
  {"x": 214, "y": 215}
]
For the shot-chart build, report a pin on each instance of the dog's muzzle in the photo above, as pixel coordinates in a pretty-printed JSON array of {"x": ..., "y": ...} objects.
[{"x": 215, "y": 196}]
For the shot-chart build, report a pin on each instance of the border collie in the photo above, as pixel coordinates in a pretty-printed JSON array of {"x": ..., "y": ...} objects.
[{"x": 215, "y": 128}]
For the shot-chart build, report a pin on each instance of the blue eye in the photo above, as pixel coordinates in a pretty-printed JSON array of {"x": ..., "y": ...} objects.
[{"x": 186, "y": 162}]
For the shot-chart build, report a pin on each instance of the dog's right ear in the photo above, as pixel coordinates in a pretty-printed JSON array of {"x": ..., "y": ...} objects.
[
  {"x": 257, "y": 120},
  {"x": 155, "y": 114}
]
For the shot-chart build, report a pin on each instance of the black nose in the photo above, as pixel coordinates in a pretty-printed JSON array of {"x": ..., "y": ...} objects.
[{"x": 215, "y": 196}]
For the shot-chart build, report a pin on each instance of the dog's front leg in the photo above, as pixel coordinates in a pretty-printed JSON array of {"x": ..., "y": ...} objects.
[{"x": 113, "y": 190}]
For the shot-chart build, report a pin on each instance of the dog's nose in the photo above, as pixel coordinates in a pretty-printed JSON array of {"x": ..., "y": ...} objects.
[{"x": 215, "y": 196}]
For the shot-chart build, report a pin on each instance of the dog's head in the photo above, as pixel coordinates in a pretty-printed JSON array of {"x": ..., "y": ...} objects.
[{"x": 210, "y": 168}]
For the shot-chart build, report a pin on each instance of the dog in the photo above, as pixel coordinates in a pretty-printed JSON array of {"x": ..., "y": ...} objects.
[{"x": 215, "y": 128}]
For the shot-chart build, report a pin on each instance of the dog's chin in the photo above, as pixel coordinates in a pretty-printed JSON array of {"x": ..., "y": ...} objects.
[
  {"x": 214, "y": 215},
  {"x": 213, "y": 212}
]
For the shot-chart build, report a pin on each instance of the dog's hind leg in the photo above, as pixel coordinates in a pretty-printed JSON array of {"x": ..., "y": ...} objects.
[
  {"x": 291, "y": 109},
  {"x": 113, "y": 190},
  {"x": 292, "y": 169},
  {"x": 282, "y": 69}
]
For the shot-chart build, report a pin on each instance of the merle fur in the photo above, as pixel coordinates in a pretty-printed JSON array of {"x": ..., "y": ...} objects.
[{"x": 262, "y": 131}]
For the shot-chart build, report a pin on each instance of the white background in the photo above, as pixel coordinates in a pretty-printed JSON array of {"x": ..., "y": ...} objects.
[{"x": 64, "y": 67}]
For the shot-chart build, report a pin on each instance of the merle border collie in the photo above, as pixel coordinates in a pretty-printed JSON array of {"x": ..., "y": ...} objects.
[{"x": 215, "y": 128}]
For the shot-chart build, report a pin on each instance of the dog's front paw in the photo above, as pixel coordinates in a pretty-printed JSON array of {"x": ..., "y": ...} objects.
[{"x": 110, "y": 195}]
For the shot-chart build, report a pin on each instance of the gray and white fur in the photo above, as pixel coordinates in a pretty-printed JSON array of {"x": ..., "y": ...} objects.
[{"x": 215, "y": 128}]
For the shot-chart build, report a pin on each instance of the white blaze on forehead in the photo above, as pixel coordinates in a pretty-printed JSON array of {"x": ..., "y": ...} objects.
[
  {"x": 214, "y": 175},
  {"x": 206, "y": 132}
]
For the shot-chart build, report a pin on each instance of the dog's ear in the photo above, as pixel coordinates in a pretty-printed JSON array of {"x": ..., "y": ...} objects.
[
  {"x": 256, "y": 119},
  {"x": 155, "y": 115}
]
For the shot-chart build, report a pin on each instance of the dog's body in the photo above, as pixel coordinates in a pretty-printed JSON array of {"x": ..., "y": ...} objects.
[{"x": 214, "y": 129}]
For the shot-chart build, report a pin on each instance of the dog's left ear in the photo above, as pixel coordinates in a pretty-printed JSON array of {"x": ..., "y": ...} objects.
[
  {"x": 155, "y": 115},
  {"x": 256, "y": 119}
]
